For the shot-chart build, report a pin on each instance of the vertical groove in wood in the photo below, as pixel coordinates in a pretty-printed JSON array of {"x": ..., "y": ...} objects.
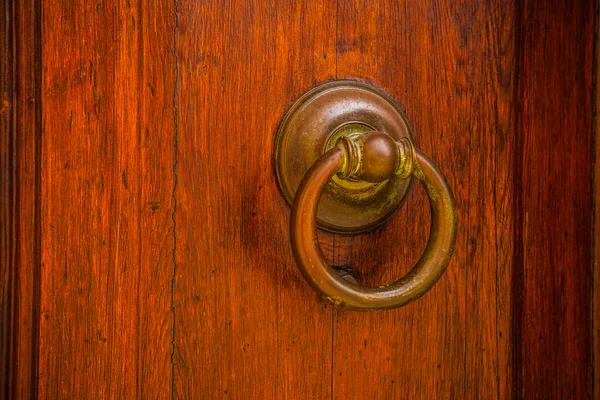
[
  {"x": 7, "y": 185},
  {"x": 517, "y": 282},
  {"x": 248, "y": 324},
  {"x": 451, "y": 67},
  {"x": 158, "y": 207},
  {"x": 595, "y": 298},
  {"x": 174, "y": 192},
  {"x": 554, "y": 219},
  {"x": 21, "y": 115},
  {"x": 106, "y": 322}
]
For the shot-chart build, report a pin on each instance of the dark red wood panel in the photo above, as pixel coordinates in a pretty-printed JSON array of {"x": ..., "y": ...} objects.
[
  {"x": 147, "y": 242},
  {"x": 6, "y": 190},
  {"x": 553, "y": 179},
  {"x": 21, "y": 133},
  {"x": 247, "y": 325},
  {"x": 595, "y": 300},
  {"x": 451, "y": 67},
  {"x": 106, "y": 324}
]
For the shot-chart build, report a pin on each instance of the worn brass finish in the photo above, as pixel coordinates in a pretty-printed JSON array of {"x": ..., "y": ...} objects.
[
  {"x": 313, "y": 125},
  {"x": 358, "y": 158},
  {"x": 344, "y": 158}
]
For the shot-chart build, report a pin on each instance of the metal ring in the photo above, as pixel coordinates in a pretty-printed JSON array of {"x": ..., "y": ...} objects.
[{"x": 326, "y": 281}]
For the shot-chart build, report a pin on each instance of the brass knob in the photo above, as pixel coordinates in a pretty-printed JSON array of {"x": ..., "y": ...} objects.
[{"x": 373, "y": 157}]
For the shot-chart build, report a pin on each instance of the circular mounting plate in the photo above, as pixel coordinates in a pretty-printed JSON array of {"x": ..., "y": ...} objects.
[{"x": 313, "y": 124}]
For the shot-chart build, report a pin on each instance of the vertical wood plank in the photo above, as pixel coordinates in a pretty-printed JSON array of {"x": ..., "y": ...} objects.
[
  {"x": 7, "y": 185},
  {"x": 21, "y": 111},
  {"x": 107, "y": 194},
  {"x": 451, "y": 66},
  {"x": 150, "y": 242},
  {"x": 595, "y": 298},
  {"x": 554, "y": 229},
  {"x": 247, "y": 325}
]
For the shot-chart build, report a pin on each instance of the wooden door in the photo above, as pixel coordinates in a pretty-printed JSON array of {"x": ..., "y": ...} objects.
[{"x": 145, "y": 248}]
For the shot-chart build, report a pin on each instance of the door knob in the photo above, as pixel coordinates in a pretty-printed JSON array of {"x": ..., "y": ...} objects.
[{"x": 344, "y": 160}]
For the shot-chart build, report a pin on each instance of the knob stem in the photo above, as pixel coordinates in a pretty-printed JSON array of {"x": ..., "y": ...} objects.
[{"x": 375, "y": 157}]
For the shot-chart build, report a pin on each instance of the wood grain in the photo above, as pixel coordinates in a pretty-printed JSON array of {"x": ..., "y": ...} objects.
[
  {"x": 595, "y": 298},
  {"x": 144, "y": 242},
  {"x": 554, "y": 155},
  {"x": 451, "y": 67},
  {"x": 6, "y": 191},
  {"x": 21, "y": 131},
  {"x": 106, "y": 326},
  {"x": 247, "y": 325}
]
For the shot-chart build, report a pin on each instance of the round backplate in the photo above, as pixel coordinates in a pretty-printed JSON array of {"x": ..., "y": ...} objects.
[{"x": 313, "y": 124}]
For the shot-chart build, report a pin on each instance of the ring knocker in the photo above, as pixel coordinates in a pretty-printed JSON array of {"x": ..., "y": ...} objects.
[{"x": 344, "y": 160}]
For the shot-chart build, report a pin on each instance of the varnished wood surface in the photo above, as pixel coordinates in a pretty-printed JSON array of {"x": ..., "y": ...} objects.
[
  {"x": 6, "y": 191},
  {"x": 451, "y": 67},
  {"x": 150, "y": 254},
  {"x": 554, "y": 148},
  {"x": 595, "y": 302},
  {"x": 246, "y": 325},
  {"x": 21, "y": 186},
  {"x": 106, "y": 323}
]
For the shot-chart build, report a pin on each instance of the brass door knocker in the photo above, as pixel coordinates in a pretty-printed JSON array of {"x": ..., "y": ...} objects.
[{"x": 344, "y": 159}]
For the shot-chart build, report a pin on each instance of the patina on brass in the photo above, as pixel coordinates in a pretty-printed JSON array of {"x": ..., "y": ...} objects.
[
  {"x": 344, "y": 157},
  {"x": 313, "y": 125},
  {"x": 374, "y": 157}
]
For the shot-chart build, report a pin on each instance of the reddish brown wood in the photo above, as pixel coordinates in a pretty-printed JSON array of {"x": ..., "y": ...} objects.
[
  {"x": 595, "y": 303},
  {"x": 554, "y": 156},
  {"x": 6, "y": 190},
  {"x": 21, "y": 134},
  {"x": 145, "y": 248},
  {"x": 106, "y": 325},
  {"x": 451, "y": 67},
  {"x": 246, "y": 323}
]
